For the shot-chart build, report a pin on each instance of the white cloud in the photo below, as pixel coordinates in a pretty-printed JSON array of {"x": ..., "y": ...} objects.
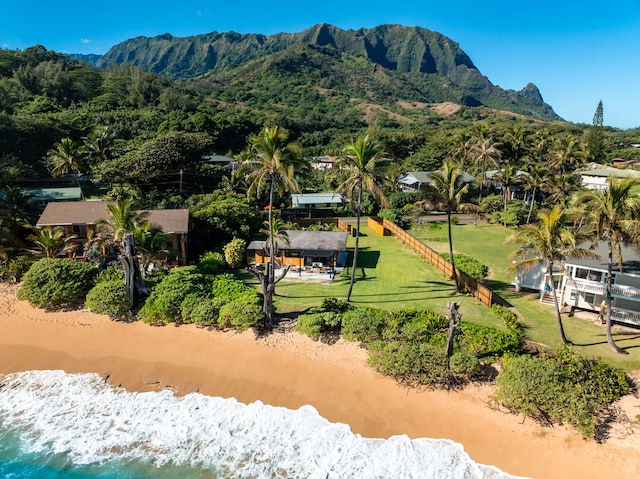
[{"x": 85, "y": 40}]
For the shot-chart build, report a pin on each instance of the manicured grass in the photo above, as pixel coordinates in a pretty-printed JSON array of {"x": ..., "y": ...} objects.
[
  {"x": 393, "y": 278},
  {"x": 485, "y": 242}
]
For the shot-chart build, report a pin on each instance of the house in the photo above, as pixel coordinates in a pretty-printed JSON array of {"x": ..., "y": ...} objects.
[
  {"x": 78, "y": 216},
  {"x": 414, "y": 180},
  {"x": 596, "y": 178},
  {"x": 322, "y": 163},
  {"x": 322, "y": 250},
  {"x": 316, "y": 200},
  {"x": 581, "y": 284}
]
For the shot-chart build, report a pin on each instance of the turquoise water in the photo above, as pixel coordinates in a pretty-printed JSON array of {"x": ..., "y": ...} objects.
[{"x": 57, "y": 425}]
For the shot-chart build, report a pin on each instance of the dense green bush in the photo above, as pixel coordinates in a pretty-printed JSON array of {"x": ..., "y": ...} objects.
[
  {"x": 515, "y": 214},
  {"x": 56, "y": 282},
  {"x": 239, "y": 314},
  {"x": 310, "y": 323},
  {"x": 464, "y": 363},
  {"x": 469, "y": 265},
  {"x": 212, "y": 262},
  {"x": 410, "y": 363},
  {"x": 234, "y": 252},
  {"x": 108, "y": 297},
  {"x": 12, "y": 270},
  {"x": 164, "y": 305},
  {"x": 112, "y": 272},
  {"x": 565, "y": 388},
  {"x": 487, "y": 342},
  {"x": 363, "y": 324},
  {"x": 509, "y": 319},
  {"x": 200, "y": 308}
]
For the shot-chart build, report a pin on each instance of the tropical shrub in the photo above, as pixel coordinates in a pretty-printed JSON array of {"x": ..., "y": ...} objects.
[
  {"x": 164, "y": 305},
  {"x": 200, "y": 308},
  {"x": 234, "y": 252},
  {"x": 515, "y": 214},
  {"x": 471, "y": 266},
  {"x": 240, "y": 314},
  {"x": 565, "y": 388},
  {"x": 12, "y": 270},
  {"x": 211, "y": 262},
  {"x": 464, "y": 363},
  {"x": 363, "y": 324},
  {"x": 410, "y": 363},
  {"x": 487, "y": 342},
  {"x": 56, "y": 282},
  {"x": 509, "y": 319},
  {"x": 108, "y": 297}
]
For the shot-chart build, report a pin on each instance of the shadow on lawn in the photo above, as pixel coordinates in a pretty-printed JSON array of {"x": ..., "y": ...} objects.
[{"x": 619, "y": 337}]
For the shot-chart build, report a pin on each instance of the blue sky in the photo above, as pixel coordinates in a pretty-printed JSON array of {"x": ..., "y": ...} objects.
[{"x": 576, "y": 52}]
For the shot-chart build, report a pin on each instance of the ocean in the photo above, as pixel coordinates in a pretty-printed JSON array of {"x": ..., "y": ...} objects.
[{"x": 55, "y": 425}]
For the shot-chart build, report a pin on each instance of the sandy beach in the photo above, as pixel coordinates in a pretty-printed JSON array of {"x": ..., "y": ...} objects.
[{"x": 290, "y": 370}]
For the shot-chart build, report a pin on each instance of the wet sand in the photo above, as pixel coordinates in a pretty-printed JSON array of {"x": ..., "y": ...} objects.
[{"x": 290, "y": 370}]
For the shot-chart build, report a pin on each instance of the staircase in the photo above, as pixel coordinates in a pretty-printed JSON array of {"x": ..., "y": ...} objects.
[{"x": 547, "y": 298}]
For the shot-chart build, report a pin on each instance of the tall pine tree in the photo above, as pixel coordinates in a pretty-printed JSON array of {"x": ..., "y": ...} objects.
[{"x": 595, "y": 136}]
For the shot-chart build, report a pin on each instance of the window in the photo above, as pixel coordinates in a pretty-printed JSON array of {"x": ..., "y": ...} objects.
[
  {"x": 582, "y": 273},
  {"x": 80, "y": 230},
  {"x": 590, "y": 298}
]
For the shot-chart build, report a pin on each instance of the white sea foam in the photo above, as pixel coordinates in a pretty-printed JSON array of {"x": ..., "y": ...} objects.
[{"x": 92, "y": 423}]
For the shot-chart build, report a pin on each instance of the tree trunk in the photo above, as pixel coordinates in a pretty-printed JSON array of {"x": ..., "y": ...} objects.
[
  {"x": 133, "y": 282},
  {"x": 533, "y": 198},
  {"x": 608, "y": 300},
  {"x": 563, "y": 337},
  {"x": 355, "y": 250},
  {"x": 453, "y": 262},
  {"x": 454, "y": 322}
]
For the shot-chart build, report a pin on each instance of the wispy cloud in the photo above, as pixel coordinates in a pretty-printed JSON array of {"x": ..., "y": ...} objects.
[
  {"x": 85, "y": 40},
  {"x": 203, "y": 13}
]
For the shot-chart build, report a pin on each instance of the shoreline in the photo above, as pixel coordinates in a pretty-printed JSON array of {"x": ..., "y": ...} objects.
[{"x": 290, "y": 370}]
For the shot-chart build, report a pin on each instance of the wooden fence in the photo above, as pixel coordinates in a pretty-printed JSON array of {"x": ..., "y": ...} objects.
[{"x": 477, "y": 289}]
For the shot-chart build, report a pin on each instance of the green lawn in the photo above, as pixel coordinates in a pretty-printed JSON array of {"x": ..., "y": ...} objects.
[{"x": 486, "y": 243}]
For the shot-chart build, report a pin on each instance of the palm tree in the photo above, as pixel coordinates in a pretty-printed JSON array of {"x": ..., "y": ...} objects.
[
  {"x": 362, "y": 165},
  {"x": 446, "y": 185},
  {"x": 484, "y": 153},
  {"x": 562, "y": 188},
  {"x": 535, "y": 180},
  {"x": 65, "y": 158},
  {"x": 273, "y": 164},
  {"x": 150, "y": 244},
  {"x": 18, "y": 211},
  {"x": 51, "y": 241},
  {"x": 98, "y": 144},
  {"x": 507, "y": 177},
  {"x": 121, "y": 218},
  {"x": 549, "y": 241},
  {"x": 613, "y": 213},
  {"x": 567, "y": 154}
]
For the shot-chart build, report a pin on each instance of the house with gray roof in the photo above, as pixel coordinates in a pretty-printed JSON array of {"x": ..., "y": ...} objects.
[{"x": 414, "y": 180}]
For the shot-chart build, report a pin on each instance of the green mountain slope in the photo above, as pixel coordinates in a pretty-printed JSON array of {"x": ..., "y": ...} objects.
[{"x": 417, "y": 58}]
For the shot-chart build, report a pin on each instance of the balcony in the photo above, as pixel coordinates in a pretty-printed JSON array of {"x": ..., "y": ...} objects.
[
  {"x": 623, "y": 316},
  {"x": 618, "y": 290}
]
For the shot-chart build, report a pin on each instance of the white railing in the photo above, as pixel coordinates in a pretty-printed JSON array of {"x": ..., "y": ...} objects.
[
  {"x": 620, "y": 290},
  {"x": 625, "y": 316}
]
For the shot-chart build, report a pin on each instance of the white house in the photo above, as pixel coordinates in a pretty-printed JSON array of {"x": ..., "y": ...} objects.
[
  {"x": 413, "y": 180},
  {"x": 596, "y": 178},
  {"x": 582, "y": 284}
]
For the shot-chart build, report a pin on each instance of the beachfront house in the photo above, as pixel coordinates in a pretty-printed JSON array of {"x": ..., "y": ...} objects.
[
  {"x": 581, "y": 284},
  {"x": 77, "y": 217},
  {"x": 323, "y": 251},
  {"x": 316, "y": 200}
]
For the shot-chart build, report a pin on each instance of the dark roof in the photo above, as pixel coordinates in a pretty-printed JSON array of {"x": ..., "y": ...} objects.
[
  {"x": 92, "y": 212},
  {"x": 630, "y": 259},
  {"x": 309, "y": 240}
]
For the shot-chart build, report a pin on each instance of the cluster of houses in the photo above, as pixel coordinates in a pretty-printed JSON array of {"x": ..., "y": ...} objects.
[{"x": 580, "y": 283}]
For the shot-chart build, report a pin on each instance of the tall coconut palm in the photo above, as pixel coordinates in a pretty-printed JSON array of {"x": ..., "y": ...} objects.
[
  {"x": 485, "y": 153},
  {"x": 550, "y": 240},
  {"x": 122, "y": 218},
  {"x": 507, "y": 177},
  {"x": 52, "y": 241},
  {"x": 536, "y": 178},
  {"x": 98, "y": 144},
  {"x": 447, "y": 188},
  {"x": 273, "y": 164},
  {"x": 567, "y": 154},
  {"x": 613, "y": 213},
  {"x": 66, "y": 157},
  {"x": 363, "y": 166}
]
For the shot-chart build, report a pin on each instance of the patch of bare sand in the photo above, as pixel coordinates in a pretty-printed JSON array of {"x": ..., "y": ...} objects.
[{"x": 290, "y": 370}]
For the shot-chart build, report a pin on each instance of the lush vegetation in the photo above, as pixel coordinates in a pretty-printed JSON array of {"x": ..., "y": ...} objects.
[{"x": 55, "y": 282}]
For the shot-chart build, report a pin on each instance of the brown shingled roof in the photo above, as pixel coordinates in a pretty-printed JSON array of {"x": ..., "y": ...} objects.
[{"x": 92, "y": 212}]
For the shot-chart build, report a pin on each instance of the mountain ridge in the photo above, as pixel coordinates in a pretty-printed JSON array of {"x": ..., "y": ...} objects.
[{"x": 406, "y": 51}]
